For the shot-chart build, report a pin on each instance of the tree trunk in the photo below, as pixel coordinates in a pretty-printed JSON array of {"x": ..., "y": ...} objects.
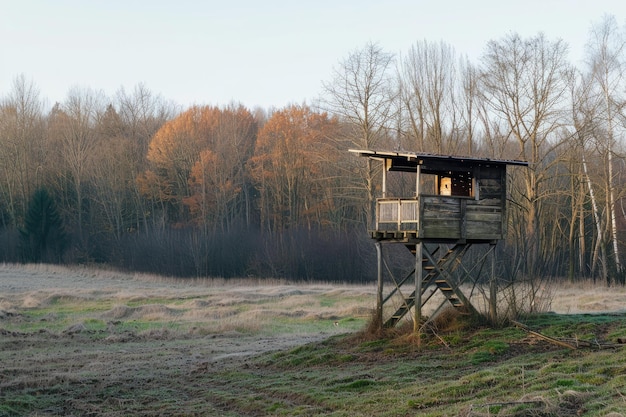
[{"x": 596, "y": 217}]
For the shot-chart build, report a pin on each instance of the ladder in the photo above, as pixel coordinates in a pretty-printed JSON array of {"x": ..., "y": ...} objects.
[{"x": 438, "y": 273}]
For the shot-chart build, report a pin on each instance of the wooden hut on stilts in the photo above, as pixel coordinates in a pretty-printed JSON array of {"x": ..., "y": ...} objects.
[{"x": 456, "y": 203}]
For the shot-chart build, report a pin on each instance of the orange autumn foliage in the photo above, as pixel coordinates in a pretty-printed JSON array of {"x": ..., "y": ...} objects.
[
  {"x": 292, "y": 149},
  {"x": 210, "y": 191},
  {"x": 185, "y": 167}
]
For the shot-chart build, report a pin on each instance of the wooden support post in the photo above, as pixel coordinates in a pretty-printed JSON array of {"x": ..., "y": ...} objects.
[
  {"x": 418, "y": 289},
  {"x": 417, "y": 320},
  {"x": 379, "y": 293},
  {"x": 386, "y": 166},
  {"x": 493, "y": 287}
]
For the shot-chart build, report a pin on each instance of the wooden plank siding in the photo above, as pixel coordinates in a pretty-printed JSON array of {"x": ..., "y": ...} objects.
[
  {"x": 440, "y": 217},
  {"x": 453, "y": 217},
  {"x": 460, "y": 218},
  {"x": 444, "y": 217},
  {"x": 483, "y": 219}
]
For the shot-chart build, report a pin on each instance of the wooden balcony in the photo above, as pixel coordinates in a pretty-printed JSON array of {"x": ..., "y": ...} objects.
[
  {"x": 439, "y": 218},
  {"x": 403, "y": 214}
]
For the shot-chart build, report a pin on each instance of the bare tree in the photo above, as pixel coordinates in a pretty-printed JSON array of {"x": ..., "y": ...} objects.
[
  {"x": 470, "y": 113},
  {"x": 524, "y": 83},
  {"x": 22, "y": 147},
  {"x": 73, "y": 129},
  {"x": 362, "y": 95},
  {"x": 142, "y": 113},
  {"x": 235, "y": 140},
  {"x": 430, "y": 91},
  {"x": 112, "y": 175},
  {"x": 582, "y": 189}
]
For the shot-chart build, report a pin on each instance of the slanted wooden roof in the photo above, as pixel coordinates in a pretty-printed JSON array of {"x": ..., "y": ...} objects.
[{"x": 408, "y": 161}]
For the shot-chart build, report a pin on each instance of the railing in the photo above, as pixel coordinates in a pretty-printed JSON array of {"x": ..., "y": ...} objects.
[{"x": 404, "y": 213}]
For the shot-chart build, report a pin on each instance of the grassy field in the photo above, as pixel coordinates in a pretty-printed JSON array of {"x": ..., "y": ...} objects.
[{"x": 82, "y": 342}]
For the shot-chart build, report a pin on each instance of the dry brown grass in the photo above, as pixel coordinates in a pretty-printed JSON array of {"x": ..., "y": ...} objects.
[
  {"x": 219, "y": 305},
  {"x": 213, "y": 305}
]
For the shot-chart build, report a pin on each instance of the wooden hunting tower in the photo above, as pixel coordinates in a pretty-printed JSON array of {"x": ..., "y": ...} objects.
[{"x": 456, "y": 202}]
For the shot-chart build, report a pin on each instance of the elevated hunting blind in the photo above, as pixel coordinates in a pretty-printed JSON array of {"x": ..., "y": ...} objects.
[{"x": 455, "y": 202}]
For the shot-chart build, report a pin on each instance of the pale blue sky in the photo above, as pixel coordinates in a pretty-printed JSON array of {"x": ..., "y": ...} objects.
[{"x": 260, "y": 53}]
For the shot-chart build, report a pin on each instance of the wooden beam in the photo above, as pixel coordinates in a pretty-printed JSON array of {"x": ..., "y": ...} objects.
[
  {"x": 417, "y": 323},
  {"x": 418, "y": 289},
  {"x": 379, "y": 293}
]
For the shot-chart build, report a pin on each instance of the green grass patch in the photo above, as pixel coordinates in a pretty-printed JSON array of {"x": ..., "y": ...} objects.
[
  {"x": 16, "y": 405},
  {"x": 328, "y": 301},
  {"x": 359, "y": 384},
  {"x": 576, "y": 326},
  {"x": 313, "y": 325},
  {"x": 499, "y": 367},
  {"x": 489, "y": 351},
  {"x": 311, "y": 355}
]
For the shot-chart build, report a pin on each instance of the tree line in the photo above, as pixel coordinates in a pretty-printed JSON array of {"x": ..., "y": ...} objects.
[{"x": 136, "y": 182}]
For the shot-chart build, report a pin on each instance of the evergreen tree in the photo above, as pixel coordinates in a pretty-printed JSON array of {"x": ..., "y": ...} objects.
[{"x": 43, "y": 236}]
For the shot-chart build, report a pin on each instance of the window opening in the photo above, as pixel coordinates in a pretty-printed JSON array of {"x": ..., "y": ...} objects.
[{"x": 455, "y": 184}]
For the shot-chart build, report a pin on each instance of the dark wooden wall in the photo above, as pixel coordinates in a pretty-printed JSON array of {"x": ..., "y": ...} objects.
[{"x": 453, "y": 217}]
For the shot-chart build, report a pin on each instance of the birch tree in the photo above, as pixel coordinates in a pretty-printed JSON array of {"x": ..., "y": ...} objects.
[
  {"x": 582, "y": 188},
  {"x": 606, "y": 64}
]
